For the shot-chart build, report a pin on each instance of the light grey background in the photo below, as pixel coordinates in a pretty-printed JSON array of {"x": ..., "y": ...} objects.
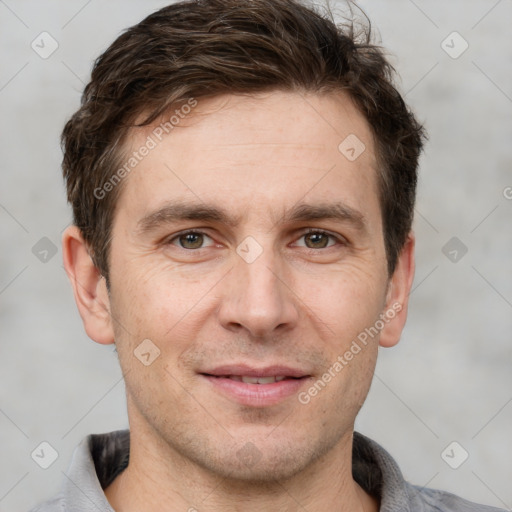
[{"x": 448, "y": 380}]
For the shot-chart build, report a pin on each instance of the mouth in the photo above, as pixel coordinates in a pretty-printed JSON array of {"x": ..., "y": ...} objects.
[
  {"x": 256, "y": 387},
  {"x": 253, "y": 380}
]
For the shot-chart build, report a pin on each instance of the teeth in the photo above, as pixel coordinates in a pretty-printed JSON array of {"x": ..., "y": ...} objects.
[{"x": 257, "y": 380}]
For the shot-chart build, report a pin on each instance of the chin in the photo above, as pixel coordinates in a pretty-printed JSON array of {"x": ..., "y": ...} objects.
[
  {"x": 262, "y": 462},
  {"x": 264, "y": 471}
]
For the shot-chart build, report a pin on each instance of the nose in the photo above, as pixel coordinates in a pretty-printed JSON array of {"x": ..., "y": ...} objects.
[{"x": 257, "y": 298}]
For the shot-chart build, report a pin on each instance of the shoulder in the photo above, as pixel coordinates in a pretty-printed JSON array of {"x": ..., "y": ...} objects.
[
  {"x": 433, "y": 500},
  {"x": 378, "y": 473},
  {"x": 56, "y": 504},
  {"x": 96, "y": 461}
]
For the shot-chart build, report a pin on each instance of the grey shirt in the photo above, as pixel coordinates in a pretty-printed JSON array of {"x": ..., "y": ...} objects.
[{"x": 99, "y": 458}]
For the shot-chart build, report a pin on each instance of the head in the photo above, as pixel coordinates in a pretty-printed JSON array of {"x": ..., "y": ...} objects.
[{"x": 280, "y": 141}]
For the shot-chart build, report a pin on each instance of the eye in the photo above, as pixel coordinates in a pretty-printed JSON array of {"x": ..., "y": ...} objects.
[
  {"x": 313, "y": 239},
  {"x": 318, "y": 239},
  {"x": 190, "y": 239}
]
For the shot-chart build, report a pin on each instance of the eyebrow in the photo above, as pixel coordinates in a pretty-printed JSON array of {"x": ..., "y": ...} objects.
[
  {"x": 176, "y": 211},
  {"x": 326, "y": 211},
  {"x": 179, "y": 211}
]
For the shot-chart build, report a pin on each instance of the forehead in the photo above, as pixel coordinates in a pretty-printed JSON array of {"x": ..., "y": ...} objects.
[{"x": 258, "y": 153}]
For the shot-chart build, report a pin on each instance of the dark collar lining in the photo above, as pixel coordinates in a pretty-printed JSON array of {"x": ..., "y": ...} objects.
[
  {"x": 365, "y": 468},
  {"x": 111, "y": 454}
]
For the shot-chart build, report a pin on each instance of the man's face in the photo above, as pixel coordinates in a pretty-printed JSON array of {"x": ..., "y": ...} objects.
[{"x": 255, "y": 289}]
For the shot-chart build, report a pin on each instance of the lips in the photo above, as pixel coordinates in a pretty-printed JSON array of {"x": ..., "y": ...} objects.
[{"x": 256, "y": 387}]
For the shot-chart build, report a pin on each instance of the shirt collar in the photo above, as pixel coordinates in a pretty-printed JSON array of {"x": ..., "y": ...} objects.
[
  {"x": 100, "y": 458},
  {"x": 96, "y": 461}
]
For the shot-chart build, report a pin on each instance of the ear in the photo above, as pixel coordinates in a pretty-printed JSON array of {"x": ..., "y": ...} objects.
[
  {"x": 397, "y": 298},
  {"x": 89, "y": 287}
]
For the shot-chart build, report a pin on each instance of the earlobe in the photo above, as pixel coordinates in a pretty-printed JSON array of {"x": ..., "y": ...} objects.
[
  {"x": 89, "y": 287},
  {"x": 397, "y": 299}
]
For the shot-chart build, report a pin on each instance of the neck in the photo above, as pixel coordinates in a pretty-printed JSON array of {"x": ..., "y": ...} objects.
[{"x": 159, "y": 478}]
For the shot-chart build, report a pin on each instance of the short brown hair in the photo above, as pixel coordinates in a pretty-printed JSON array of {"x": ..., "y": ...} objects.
[{"x": 199, "y": 48}]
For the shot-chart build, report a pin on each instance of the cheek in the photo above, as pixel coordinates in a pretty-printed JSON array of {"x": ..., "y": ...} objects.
[
  {"x": 346, "y": 301},
  {"x": 158, "y": 303}
]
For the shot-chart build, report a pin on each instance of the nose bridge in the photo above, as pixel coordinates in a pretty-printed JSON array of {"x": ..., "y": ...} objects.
[
  {"x": 259, "y": 278},
  {"x": 257, "y": 297}
]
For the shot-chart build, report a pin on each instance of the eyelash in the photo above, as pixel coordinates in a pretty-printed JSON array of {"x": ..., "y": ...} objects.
[{"x": 341, "y": 241}]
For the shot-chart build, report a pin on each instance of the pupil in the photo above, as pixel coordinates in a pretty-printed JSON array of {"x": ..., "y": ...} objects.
[
  {"x": 316, "y": 237},
  {"x": 192, "y": 240}
]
